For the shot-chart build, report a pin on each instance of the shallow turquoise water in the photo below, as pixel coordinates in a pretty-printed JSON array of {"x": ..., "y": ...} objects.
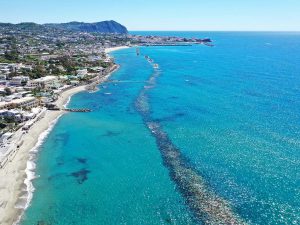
[{"x": 233, "y": 111}]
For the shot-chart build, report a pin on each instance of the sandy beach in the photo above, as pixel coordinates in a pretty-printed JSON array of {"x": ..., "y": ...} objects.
[
  {"x": 12, "y": 176},
  {"x": 13, "y": 190},
  {"x": 108, "y": 50}
]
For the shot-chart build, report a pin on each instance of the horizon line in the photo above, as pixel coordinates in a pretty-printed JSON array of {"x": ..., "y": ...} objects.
[
  {"x": 152, "y": 30},
  {"x": 159, "y": 30}
]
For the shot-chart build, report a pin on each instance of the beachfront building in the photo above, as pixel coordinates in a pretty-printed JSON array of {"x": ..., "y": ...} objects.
[
  {"x": 99, "y": 70},
  {"x": 82, "y": 72},
  {"x": 3, "y": 83},
  {"x": 3, "y": 76},
  {"x": 5, "y": 137},
  {"x": 43, "y": 82},
  {"x": 26, "y": 102},
  {"x": 12, "y": 113},
  {"x": 18, "y": 81},
  {"x": 4, "y": 68},
  {"x": 3, "y": 113}
]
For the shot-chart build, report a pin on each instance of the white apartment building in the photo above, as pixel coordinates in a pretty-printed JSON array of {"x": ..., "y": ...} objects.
[
  {"x": 43, "y": 82},
  {"x": 18, "y": 81},
  {"x": 26, "y": 102}
]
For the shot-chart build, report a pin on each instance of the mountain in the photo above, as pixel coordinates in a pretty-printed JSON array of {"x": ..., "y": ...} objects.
[{"x": 100, "y": 27}]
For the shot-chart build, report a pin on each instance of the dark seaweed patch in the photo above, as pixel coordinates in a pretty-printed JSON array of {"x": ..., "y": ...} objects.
[
  {"x": 108, "y": 99},
  {"x": 130, "y": 110},
  {"x": 202, "y": 110},
  {"x": 60, "y": 161},
  {"x": 50, "y": 178},
  {"x": 253, "y": 93},
  {"x": 42, "y": 222},
  {"x": 82, "y": 160},
  {"x": 171, "y": 117},
  {"x": 193, "y": 84},
  {"x": 198, "y": 80},
  {"x": 81, "y": 175},
  {"x": 62, "y": 138},
  {"x": 111, "y": 134},
  {"x": 168, "y": 220}
]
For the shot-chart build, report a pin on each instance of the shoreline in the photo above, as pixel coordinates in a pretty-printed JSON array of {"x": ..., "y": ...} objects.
[
  {"x": 16, "y": 188},
  {"x": 109, "y": 50},
  {"x": 15, "y": 178}
]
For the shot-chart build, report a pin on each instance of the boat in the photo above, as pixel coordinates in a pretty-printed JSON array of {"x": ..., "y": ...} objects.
[{"x": 155, "y": 66}]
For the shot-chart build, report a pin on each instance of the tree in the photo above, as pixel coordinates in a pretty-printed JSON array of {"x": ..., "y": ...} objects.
[
  {"x": 54, "y": 69},
  {"x": 68, "y": 64},
  {"x": 8, "y": 91},
  {"x": 38, "y": 71},
  {"x": 11, "y": 55}
]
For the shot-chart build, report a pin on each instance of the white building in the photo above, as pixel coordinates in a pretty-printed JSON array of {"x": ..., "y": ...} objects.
[
  {"x": 3, "y": 112},
  {"x": 43, "y": 82},
  {"x": 26, "y": 102},
  {"x": 18, "y": 81},
  {"x": 5, "y": 137},
  {"x": 82, "y": 72},
  {"x": 3, "y": 76},
  {"x": 5, "y": 71},
  {"x": 13, "y": 113}
]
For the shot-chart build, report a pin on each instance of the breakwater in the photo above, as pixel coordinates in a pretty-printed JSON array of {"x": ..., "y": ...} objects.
[
  {"x": 206, "y": 206},
  {"x": 228, "y": 114},
  {"x": 78, "y": 110}
]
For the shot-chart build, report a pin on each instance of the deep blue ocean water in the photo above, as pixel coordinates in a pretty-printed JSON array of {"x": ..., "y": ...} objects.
[{"x": 232, "y": 113}]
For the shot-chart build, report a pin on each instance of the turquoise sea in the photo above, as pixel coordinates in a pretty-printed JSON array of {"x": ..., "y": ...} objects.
[{"x": 212, "y": 135}]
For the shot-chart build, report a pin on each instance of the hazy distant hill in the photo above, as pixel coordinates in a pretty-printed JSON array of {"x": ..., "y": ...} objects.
[
  {"x": 100, "y": 27},
  {"x": 24, "y": 26}
]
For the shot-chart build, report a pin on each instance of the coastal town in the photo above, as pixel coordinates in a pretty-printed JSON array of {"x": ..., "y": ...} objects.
[
  {"x": 149, "y": 112},
  {"x": 33, "y": 75},
  {"x": 41, "y": 67},
  {"x": 38, "y": 64}
]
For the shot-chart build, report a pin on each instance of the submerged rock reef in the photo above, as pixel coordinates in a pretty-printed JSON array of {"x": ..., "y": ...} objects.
[{"x": 206, "y": 205}]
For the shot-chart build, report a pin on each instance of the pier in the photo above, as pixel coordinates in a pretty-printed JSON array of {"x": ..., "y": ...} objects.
[
  {"x": 124, "y": 81},
  {"x": 78, "y": 110},
  {"x": 168, "y": 44}
]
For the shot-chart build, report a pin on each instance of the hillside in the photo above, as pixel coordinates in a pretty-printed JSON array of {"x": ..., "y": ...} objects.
[{"x": 99, "y": 27}]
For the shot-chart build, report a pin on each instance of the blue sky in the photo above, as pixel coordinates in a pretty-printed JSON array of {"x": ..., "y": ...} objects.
[{"x": 261, "y": 15}]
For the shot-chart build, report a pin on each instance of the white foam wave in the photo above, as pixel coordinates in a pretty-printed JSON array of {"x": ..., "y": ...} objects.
[
  {"x": 67, "y": 103},
  {"x": 25, "y": 199}
]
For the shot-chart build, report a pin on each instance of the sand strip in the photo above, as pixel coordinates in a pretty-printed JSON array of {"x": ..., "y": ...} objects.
[
  {"x": 12, "y": 176},
  {"x": 108, "y": 50}
]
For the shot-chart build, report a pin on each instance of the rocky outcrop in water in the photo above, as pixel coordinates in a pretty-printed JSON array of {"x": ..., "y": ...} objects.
[{"x": 206, "y": 205}]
